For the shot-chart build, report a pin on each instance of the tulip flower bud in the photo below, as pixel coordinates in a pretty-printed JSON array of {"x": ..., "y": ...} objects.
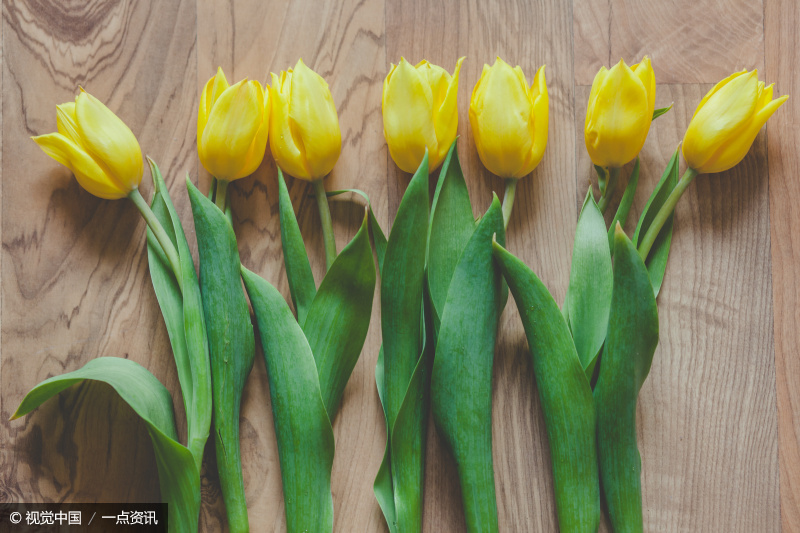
[
  {"x": 509, "y": 119},
  {"x": 304, "y": 132},
  {"x": 232, "y": 127},
  {"x": 619, "y": 113},
  {"x": 96, "y": 146},
  {"x": 726, "y": 122},
  {"x": 420, "y": 111}
]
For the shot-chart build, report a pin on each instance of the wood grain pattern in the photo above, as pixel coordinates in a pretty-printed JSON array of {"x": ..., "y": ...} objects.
[
  {"x": 688, "y": 41},
  {"x": 781, "y": 19},
  {"x": 75, "y": 282}
]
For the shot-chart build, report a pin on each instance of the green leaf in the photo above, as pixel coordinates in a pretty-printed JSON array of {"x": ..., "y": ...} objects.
[
  {"x": 298, "y": 269},
  {"x": 590, "y": 281},
  {"x": 383, "y": 487},
  {"x": 401, "y": 290},
  {"x": 451, "y": 226},
  {"x": 658, "y": 112},
  {"x": 339, "y": 316},
  {"x": 659, "y": 253},
  {"x": 625, "y": 204},
  {"x": 302, "y": 427},
  {"x": 399, "y": 484},
  {"x": 565, "y": 395},
  {"x": 231, "y": 343},
  {"x": 182, "y": 309},
  {"x": 377, "y": 233},
  {"x": 631, "y": 341},
  {"x": 461, "y": 381},
  {"x": 177, "y": 473}
]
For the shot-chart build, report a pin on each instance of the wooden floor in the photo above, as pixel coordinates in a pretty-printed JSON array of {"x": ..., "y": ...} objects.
[{"x": 719, "y": 417}]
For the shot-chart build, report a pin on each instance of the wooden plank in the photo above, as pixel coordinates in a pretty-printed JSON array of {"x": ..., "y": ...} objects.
[
  {"x": 540, "y": 232},
  {"x": 781, "y": 19},
  {"x": 75, "y": 282},
  {"x": 343, "y": 42},
  {"x": 707, "y": 419},
  {"x": 688, "y": 41}
]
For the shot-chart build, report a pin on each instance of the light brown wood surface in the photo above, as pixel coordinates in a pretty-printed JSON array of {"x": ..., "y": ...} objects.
[{"x": 719, "y": 417}]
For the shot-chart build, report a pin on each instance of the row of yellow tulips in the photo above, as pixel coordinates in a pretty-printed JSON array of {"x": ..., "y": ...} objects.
[{"x": 509, "y": 122}]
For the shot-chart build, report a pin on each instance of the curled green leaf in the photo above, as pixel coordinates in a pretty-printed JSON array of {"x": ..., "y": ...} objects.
[{"x": 177, "y": 474}]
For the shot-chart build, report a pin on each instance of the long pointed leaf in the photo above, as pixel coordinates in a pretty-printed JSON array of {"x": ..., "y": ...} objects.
[
  {"x": 451, "y": 226},
  {"x": 298, "y": 269},
  {"x": 625, "y": 204},
  {"x": 631, "y": 341},
  {"x": 302, "y": 427},
  {"x": 461, "y": 382},
  {"x": 402, "y": 286},
  {"x": 182, "y": 307},
  {"x": 659, "y": 253},
  {"x": 231, "y": 342},
  {"x": 590, "y": 281},
  {"x": 177, "y": 473},
  {"x": 565, "y": 395},
  {"x": 338, "y": 319}
]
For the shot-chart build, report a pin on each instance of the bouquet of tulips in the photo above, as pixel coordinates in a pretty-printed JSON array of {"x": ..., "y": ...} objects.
[{"x": 445, "y": 278}]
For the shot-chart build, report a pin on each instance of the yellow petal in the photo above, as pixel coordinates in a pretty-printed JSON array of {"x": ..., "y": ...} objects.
[
  {"x": 314, "y": 121},
  {"x": 445, "y": 118},
  {"x": 596, "y": 84},
  {"x": 284, "y": 148},
  {"x": 89, "y": 174},
  {"x": 732, "y": 152},
  {"x": 716, "y": 88},
  {"x": 109, "y": 141},
  {"x": 720, "y": 119},
  {"x": 232, "y": 125},
  {"x": 212, "y": 90},
  {"x": 255, "y": 155},
  {"x": 540, "y": 118},
  {"x": 499, "y": 113},
  {"x": 67, "y": 125},
  {"x": 644, "y": 71},
  {"x": 408, "y": 116},
  {"x": 620, "y": 118}
]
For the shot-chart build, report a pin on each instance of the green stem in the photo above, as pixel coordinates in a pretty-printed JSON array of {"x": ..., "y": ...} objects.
[
  {"x": 325, "y": 220},
  {"x": 665, "y": 212},
  {"x": 605, "y": 197},
  {"x": 161, "y": 235},
  {"x": 508, "y": 200},
  {"x": 221, "y": 196}
]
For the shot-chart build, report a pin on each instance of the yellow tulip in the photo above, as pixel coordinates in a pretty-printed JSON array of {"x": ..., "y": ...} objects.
[
  {"x": 419, "y": 112},
  {"x": 619, "y": 113},
  {"x": 726, "y": 122},
  {"x": 304, "y": 131},
  {"x": 509, "y": 119},
  {"x": 232, "y": 127},
  {"x": 96, "y": 146}
]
